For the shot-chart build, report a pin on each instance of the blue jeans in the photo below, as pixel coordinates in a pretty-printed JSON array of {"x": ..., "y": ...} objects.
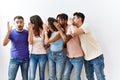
[
  {"x": 35, "y": 59},
  {"x": 13, "y": 68},
  {"x": 56, "y": 63},
  {"x": 96, "y": 65},
  {"x": 76, "y": 64}
]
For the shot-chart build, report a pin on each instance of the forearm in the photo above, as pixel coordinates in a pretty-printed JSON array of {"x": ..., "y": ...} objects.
[
  {"x": 63, "y": 36},
  {"x": 6, "y": 39},
  {"x": 30, "y": 37},
  {"x": 76, "y": 31},
  {"x": 46, "y": 38}
]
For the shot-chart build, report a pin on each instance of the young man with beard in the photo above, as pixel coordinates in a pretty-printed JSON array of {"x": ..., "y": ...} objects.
[
  {"x": 19, "y": 52},
  {"x": 93, "y": 56}
]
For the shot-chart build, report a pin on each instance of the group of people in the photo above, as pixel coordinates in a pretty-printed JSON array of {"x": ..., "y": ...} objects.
[{"x": 64, "y": 46}]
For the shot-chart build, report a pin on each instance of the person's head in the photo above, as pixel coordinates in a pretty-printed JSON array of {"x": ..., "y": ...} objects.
[
  {"x": 78, "y": 18},
  {"x": 51, "y": 25},
  {"x": 37, "y": 21},
  {"x": 19, "y": 23},
  {"x": 62, "y": 19}
]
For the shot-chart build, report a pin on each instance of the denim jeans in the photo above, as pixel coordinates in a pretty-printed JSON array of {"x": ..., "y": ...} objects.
[
  {"x": 73, "y": 63},
  {"x": 96, "y": 65},
  {"x": 35, "y": 59},
  {"x": 13, "y": 68},
  {"x": 56, "y": 63}
]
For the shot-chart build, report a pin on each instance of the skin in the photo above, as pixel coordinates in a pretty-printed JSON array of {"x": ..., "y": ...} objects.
[{"x": 19, "y": 24}]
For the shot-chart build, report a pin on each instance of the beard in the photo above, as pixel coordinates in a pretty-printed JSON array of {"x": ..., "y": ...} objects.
[{"x": 20, "y": 28}]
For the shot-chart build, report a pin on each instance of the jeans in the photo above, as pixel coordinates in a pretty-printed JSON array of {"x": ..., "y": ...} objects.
[
  {"x": 96, "y": 65},
  {"x": 76, "y": 64},
  {"x": 56, "y": 63},
  {"x": 13, "y": 68},
  {"x": 35, "y": 59}
]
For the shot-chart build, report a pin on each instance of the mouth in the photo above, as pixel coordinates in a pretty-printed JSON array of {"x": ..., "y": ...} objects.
[{"x": 19, "y": 26}]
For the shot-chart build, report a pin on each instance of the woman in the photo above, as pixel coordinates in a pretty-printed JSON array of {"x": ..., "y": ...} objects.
[
  {"x": 56, "y": 56},
  {"x": 38, "y": 51}
]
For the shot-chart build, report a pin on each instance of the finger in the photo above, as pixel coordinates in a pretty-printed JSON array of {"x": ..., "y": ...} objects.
[{"x": 8, "y": 23}]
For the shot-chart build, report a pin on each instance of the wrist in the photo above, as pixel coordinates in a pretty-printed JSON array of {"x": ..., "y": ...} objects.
[{"x": 45, "y": 32}]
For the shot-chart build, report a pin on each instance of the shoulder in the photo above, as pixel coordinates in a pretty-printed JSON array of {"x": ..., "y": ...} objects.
[
  {"x": 13, "y": 31},
  {"x": 25, "y": 30}
]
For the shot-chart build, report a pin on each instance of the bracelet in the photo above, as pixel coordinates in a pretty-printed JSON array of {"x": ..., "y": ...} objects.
[{"x": 45, "y": 32}]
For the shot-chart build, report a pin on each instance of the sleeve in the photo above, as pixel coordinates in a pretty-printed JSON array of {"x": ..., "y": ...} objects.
[{"x": 85, "y": 28}]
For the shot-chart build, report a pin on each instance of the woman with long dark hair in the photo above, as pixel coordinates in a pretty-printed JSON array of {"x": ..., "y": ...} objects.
[
  {"x": 56, "y": 56},
  {"x": 38, "y": 51}
]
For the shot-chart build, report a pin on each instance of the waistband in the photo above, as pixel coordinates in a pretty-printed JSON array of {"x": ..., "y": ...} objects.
[{"x": 57, "y": 51}]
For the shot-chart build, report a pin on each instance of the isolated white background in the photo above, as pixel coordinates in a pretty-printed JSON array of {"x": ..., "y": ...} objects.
[{"x": 103, "y": 16}]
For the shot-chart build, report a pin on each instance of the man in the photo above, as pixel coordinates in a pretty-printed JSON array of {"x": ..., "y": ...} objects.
[
  {"x": 74, "y": 51},
  {"x": 19, "y": 52},
  {"x": 93, "y": 56}
]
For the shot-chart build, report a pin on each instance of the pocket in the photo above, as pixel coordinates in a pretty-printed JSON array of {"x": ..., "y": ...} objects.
[{"x": 61, "y": 55}]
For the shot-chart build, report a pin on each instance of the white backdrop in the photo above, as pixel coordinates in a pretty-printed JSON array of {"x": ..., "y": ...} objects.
[{"x": 102, "y": 16}]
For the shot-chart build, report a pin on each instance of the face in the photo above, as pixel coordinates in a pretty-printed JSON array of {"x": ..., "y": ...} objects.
[
  {"x": 49, "y": 27},
  {"x": 61, "y": 21},
  {"x": 57, "y": 24},
  {"x": 75, "y": 20},
  {"x": 19, "y": 24}
]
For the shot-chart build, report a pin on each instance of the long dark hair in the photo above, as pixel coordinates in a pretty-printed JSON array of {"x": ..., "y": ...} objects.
[
  {"x": 37, "y": 21},
  {"x": 51, "y": 20}
]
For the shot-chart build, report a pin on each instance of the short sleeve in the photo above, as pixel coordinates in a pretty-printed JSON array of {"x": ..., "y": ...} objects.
[{"x": 85, "y": 28}]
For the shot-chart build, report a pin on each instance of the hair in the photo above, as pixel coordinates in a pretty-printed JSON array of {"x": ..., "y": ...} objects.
[
  {"x": 51, "y": 20},
  {"x": 62, "y": 16},
  {"x": 79, "y": 15},
  {"x": 18, "y": 17},
  {"x": 37, "y": 21}
]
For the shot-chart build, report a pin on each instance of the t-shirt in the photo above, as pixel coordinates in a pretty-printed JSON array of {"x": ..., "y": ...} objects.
[
  {"x": 89, "y": 44},
  {"x": 19, "y": 44},
  {"x": 38, "y": 44},
  {"x": 57, "y": 45},
  {"x": 73, "y": 45}
]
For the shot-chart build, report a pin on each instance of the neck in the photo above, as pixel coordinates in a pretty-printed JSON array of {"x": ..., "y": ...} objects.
[
  {"x": 79, "y": 24},
  {"x": 19, "y": 30}
]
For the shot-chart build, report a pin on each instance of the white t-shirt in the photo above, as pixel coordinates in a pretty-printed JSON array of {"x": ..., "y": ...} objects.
[
  {"x": 38, "y": 45},
  {"x": 90, "y": 46}
]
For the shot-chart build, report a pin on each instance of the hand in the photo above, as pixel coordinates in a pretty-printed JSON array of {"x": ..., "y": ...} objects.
[
  {"x": 57, "y": 25},
  {"x": 71, "y": 21},
  {"x": 45, "y": 27},
  {"x": 30, "y": 26},
  {"x": 9, "y": 28}
]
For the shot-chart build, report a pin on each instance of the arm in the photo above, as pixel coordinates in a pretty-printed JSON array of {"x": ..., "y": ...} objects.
[
  {"x": 62, "y": 34},
  {"x": 30, "y": 33},
  {"x": 76, "y": 31},
  {"x": 65, "y": 37},
  {"x": 52, "y": 39},
  {"x": 6, "y": 39}
]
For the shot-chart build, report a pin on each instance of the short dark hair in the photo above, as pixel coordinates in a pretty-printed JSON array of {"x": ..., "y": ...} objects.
[
  {"x": 63, "y": 16},
  {"x": 79, "y": 15},
  {"x": 18, "y": 17}
]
